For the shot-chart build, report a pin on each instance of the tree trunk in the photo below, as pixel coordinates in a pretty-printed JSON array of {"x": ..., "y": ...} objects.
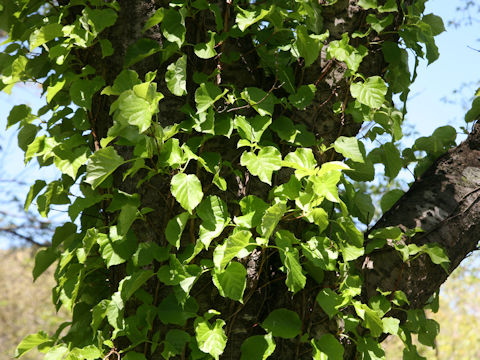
[{"x": 443, "y": 202}]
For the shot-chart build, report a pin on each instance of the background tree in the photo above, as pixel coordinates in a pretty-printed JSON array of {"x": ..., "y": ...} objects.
[
  {"x": 19, "y": 315},
  {"x": 200, "y": 143}
]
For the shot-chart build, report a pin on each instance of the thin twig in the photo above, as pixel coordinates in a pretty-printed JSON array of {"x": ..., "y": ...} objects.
[{"x": 24, "y": 237}]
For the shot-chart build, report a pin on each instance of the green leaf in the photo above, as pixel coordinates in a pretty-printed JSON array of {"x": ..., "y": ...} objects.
[
  {"x": 115, "y": 249},
  {"x": 251, "y": 129},
  {"x": 232, "y": 281},
  {"x": 429, "y": 332},
  {"x": 248, "y": 17},
  {"x": 320, "y": 252},
  {"x": 54, "y": 194},
  {"x": 176, "y": 273},
  {"x": 171, "y": 154},
  {"x": 342, "y": 51},
  {"x": 211, "y": 339},
  {"x": 295, "y": 279},
  {"x": 69, "y": 160},
  {"x": 114, "y": 312},
  {"x": 57, "y": 352},
  {"x": 175, "y": 227},
  {"x": 101, "y": 164},
  {"x": 29, "y": 142},
  {"x": 136, "y": 110},
  {"x": 391, "y": 325},
  {"x": 147, "y": 251},
  {"x": 371, "y": 349},
  {"x": 206, "y": 95},
  {"x": 435, "y": 22},
  {"x": 326, "y": 185},
  {"x": 327, "y": 347},
  {"x": 352, "y": 244},
  {"x": 89, "y": 352},
  {"x": 176, "y": 76},
  {"x": 45, "y": 34},
  {"x": 379, "y": 24},
  {"x": 253, "y": 209},
  {"x": 302, "y": 160},
  {"x": 175, "y": 342},
  {"x": 258, "y": 347},
  {"x": 214, "y": 214},
  {"x": 283, "y": 323},
  {"x": 438, "y": 143},
  {"x": 187, "y": 189},
  {"x": 391, "y": 121},
  {"x": 99, "y": 19},
  {"x": 319, "y": 217},
  {"x": 155, "y": 19},
  {"x": 83, "y": 90},
  {"x": 372, "y": 321},
  {"x": 34, "y": 191},
  {"x": 271, "y": 218},
  {"x": 30, "y": 342},
  {"x": 437, "y": 255},
  {"x": 107, "y": 48},
  {"x": 329, "y": 301},
  {"x": 314, "y": 18},
  {"x": 133, "y": 355},
  {"x": 170, "y": 311},
  {"x": 390, "y": 6},
  {"x": 309, "y": 46},
  {"x": 173, "y": 26},
  {"x": 368, "y": 4},
  {"x": 264, "y": 164},
  {"x": 43, "y": 259},
  {"x": 371, "y": 93},
  {"x": 141, "y": 49},
  {"x": 392, "y": 160},
  {"x": 364, "y": 208},
  {"x": 133, "y": 282},
  {"x": 54, "y": 89},
  {"x": 390, "y": 198},
  {"x": 285, "y": 128},
  {"x": 351, "y": 148},
  {"x": 303, "y": 96},
  {"x": 18, "y": 113},
  {"x": 206, "y": 50},
  {"x": 126, "y": 80},
  {"x": 260, "y": 100},
  {"x": 289, "y": 190},
  {"x": 127, "y": 216},
  {"x": 232, "y": 246}
]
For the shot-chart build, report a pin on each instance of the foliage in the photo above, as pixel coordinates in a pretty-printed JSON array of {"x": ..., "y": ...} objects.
[
  {"x": 457, "y": 316},
  {"x": 136, "y": 294}
]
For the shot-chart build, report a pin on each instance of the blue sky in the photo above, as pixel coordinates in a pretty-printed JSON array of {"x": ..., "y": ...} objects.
[{"x": 458, "y": 64}]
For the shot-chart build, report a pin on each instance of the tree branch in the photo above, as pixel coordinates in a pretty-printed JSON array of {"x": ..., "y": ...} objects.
[
  {"x": 12, "y": 230},
  {"x": 444, "y": 202}
]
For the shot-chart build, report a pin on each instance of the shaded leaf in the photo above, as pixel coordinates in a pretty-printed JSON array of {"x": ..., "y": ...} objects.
[
  {"x": 232, "y": 281},
  {"x": 283, "y": 323},
  {"x": 101, "y": 164}
]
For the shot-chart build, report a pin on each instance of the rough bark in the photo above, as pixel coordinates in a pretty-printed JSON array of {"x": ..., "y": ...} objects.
[{"x": 444, "y": 202}]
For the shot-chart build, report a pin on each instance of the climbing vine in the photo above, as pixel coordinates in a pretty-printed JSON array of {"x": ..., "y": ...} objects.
[{"x": 212, "y": 173}]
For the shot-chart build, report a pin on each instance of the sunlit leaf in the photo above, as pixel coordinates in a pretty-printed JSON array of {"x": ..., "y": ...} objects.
[
  {"x": 101, "y": 164},
  {"x": 187, "y": 189}
]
